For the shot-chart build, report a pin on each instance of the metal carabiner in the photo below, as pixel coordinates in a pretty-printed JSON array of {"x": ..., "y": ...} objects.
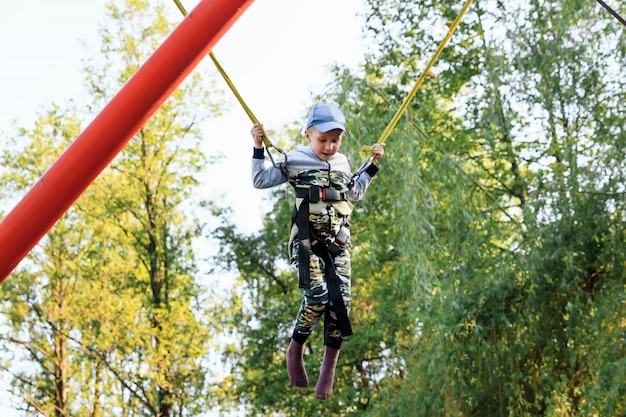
[
  {"x": 279, "y": 150},
  {"x": 359, "y": 171}
]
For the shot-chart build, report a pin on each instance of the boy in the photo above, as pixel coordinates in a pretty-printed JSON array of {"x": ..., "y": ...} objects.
[{"x": 319, "y": 244}]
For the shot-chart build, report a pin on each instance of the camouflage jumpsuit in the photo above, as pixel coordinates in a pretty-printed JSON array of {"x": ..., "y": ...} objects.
[{"x": 326, "y": 219}]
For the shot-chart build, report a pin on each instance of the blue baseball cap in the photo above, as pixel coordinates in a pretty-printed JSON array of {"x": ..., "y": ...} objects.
[{"x": 325, "y": 117}]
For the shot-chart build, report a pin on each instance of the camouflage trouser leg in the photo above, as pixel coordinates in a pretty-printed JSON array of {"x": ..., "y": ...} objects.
[{"x": 316, "y": 300}]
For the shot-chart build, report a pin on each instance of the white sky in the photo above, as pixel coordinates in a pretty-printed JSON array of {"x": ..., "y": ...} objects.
[{"x": 276, "y": 54}]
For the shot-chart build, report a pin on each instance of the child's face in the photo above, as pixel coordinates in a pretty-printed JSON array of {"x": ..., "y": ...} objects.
[{"x": 324, "y": 144}]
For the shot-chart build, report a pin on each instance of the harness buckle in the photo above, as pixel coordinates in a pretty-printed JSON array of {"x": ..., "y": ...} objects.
[
  {"x": 331, "y": 194},
  {"x": 316, "y": 194},
  {"x": 334, "y": 248}
]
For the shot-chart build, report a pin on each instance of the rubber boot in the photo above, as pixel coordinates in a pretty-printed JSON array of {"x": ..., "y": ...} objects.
[
  {"x": 324, "y": 388},
  {"x": 295, "y": 364}
]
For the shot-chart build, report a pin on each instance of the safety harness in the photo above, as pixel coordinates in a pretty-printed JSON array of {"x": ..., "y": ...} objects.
[{"x": 326, "y": 249}]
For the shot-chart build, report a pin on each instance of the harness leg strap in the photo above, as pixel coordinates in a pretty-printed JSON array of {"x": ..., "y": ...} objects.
[
  {"x": 334, "y": 292},
  {"x": 304, "y": 261}
]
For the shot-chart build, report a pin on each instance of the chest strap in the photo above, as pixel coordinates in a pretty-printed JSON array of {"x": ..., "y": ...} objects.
[{"x": 315, "y": 193}]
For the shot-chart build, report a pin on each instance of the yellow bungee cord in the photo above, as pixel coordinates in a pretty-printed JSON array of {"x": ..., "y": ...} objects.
[
  {"x": 268, "y": 144},
  {"x": 367, "y": 150}
]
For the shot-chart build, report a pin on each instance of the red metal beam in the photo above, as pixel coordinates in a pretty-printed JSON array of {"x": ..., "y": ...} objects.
[{"x": 110, "y": 131}]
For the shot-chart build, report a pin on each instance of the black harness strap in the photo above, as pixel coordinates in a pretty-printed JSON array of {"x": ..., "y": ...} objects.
[
  {"x": 334, "y": 291},
  {"x": 302, "y": 221}
]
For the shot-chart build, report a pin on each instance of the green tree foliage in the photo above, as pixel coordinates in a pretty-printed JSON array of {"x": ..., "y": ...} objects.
[
  {"x": 528, "y": 215},
  {"x": 37, "y": 299},
  {"x": 488, "y": 263},
  {"x": 104, "y": 318}
]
